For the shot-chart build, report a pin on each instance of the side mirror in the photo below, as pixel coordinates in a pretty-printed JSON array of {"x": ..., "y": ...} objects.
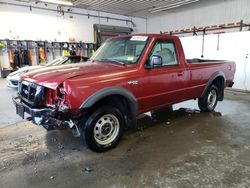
[{"x": 155, "y": 61}]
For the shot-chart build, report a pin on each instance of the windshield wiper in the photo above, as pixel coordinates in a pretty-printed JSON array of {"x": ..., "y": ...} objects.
[{"x": 113, "y": 61}]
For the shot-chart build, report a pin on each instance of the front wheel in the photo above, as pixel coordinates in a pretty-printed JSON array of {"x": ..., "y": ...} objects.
[
  {"x": 209, "y": 101},
  {"x": 104, "y": 128}
]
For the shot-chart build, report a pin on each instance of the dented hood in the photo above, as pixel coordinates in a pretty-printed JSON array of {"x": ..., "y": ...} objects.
[{"x": 51, "y": 77}]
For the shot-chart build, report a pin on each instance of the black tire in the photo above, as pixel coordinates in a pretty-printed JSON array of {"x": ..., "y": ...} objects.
[
  {"x": 96, "y": 129},
  {"x": 209, "y": 101}
]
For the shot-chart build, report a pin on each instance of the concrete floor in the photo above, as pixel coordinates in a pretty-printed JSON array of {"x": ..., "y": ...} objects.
[
  {"x": 6, "y": 106},
  {"x": 183, "y": 149}
]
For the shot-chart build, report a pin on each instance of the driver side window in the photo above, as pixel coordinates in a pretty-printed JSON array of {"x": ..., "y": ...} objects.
[{"x": 165, "y": 49}]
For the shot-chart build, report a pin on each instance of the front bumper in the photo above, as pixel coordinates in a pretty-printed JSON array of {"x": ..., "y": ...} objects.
[
  {"x": 22, "y": 108},
  {"x": 47, "y": 117},
  {"x": 39, "y": 116}
]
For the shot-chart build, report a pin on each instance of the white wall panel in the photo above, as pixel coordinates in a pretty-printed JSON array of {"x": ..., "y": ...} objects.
[
  {"x": 233, "y": 46},
  {"x": 46, "y": 25}
]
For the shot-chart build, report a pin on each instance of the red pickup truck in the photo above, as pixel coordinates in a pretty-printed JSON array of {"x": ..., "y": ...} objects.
[{"x": 127, "y": 76}]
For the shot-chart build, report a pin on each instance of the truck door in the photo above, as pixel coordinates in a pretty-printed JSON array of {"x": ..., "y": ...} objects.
[{"x": 166, "y": 84}]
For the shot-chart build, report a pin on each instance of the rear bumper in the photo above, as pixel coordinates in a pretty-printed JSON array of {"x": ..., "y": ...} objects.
[{"x": 231, "y": 84}]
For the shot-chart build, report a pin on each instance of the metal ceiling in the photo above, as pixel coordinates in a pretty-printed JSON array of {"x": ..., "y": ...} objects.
[{"x": 138, "y": 8}]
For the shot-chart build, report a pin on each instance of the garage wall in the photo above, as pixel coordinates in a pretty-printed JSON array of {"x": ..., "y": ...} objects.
[
  {"x": 200, "y": 14},
  {"x": 231, "y": 46},
  {"x": 21, "y": 23}
]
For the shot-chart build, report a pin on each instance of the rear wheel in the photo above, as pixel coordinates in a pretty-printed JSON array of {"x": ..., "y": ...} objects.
[
  {"x": 104, "y": 128},
  {"x": 210, "y": 99}
]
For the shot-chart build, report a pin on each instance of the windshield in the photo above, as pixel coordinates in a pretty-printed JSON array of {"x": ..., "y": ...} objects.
[{"x": 123, "y": 50}]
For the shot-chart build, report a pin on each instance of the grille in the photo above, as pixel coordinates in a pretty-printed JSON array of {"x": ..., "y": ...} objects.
[
  {"x": 31, "y": 93},
  {"x": 25, "y": 90}
]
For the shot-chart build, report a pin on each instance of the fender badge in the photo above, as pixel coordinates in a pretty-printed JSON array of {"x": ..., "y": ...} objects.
[{"x": 133, "y": 82}]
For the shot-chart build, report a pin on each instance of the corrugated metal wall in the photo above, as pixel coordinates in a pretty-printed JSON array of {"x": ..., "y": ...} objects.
[{"x": 206, "y": 12}]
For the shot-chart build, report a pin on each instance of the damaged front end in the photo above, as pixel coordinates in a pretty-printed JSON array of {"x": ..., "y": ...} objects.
[{"x": 46, "y": 107}]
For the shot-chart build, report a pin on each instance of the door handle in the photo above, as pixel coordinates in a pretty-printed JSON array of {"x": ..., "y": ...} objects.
[{"x": 180, "y": 73}]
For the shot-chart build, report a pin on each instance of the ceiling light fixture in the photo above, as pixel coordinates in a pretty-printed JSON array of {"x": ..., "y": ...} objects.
[
  {"x": 59, "y": 2},
  {"x": 174, "y": 5}
]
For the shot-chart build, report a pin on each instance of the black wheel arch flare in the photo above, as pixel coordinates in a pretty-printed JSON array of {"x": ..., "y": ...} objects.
[
  {"x": 212, "y": 79},
  {"x": 109, "y": 91}
]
